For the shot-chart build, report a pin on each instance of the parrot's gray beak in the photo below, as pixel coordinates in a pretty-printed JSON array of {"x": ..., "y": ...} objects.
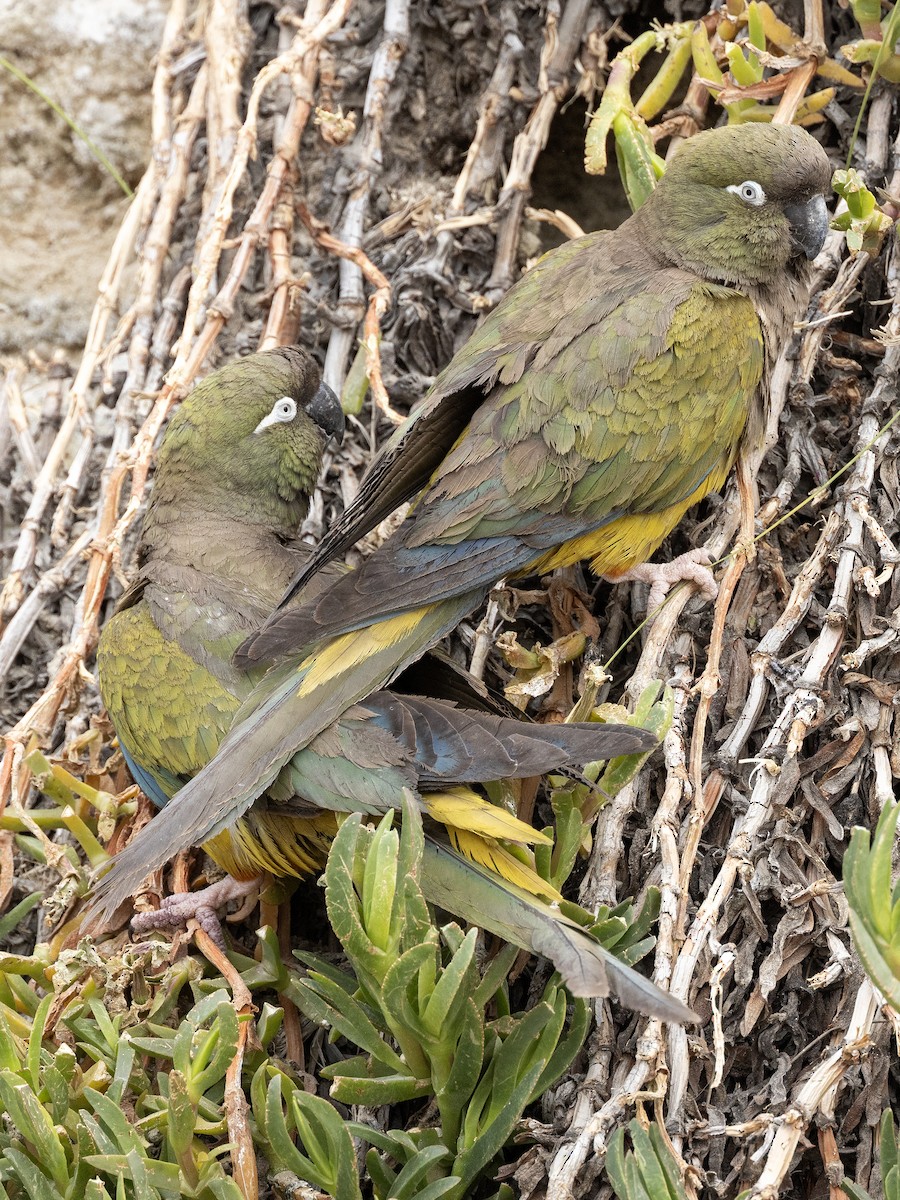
[
  {"x": 325, "y": 409},
  {"x": 809, "y": 224}
]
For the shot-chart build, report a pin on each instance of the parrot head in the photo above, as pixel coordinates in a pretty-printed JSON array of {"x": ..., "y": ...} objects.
[
  {"x": 742, "y": 204},
  {"x": 250, "y": 437}
]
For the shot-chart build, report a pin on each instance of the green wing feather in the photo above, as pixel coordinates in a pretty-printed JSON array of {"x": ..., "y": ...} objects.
[{"x": 628, "y": 417}]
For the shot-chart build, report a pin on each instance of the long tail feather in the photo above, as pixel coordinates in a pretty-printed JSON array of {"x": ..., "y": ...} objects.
[
  {"x": 587, "y": 968},
  {"x": 466, "y": 810},
  {"x": 453, "y": 744}
]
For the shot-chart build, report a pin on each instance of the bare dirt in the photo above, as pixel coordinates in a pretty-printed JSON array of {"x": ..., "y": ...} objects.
[{"x": 59, "y": 209}]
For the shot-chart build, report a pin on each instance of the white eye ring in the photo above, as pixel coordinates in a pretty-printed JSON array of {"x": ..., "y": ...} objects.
[
  {"x": 283, "y": 410},
  {"x": 749, "y": 191}
]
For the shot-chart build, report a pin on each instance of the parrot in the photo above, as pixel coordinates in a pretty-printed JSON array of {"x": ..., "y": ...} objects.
[{"x": 233, "y": 479}]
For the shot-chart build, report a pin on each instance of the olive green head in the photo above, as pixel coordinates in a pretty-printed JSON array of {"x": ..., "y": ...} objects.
[
  {"x": 250, "y": 438},
  {"x": 741, "y": 204}
]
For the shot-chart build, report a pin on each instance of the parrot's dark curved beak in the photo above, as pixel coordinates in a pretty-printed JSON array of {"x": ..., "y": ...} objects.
[
  {"x": 809, "y": 224},
  {"x": 325, "y": 409}
]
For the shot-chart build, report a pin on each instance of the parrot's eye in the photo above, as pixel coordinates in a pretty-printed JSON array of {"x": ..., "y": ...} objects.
[
  {"x": 283, "y": 410},
  {"x": 749, "y": 191}
]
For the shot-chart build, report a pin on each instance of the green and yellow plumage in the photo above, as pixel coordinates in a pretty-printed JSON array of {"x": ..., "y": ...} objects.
[{"x": 713, "y": 346}]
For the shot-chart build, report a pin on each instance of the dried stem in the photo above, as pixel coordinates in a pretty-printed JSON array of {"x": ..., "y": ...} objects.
[
  {"x": 561, "y": 42},
  {"x": 367, "y": 153}
]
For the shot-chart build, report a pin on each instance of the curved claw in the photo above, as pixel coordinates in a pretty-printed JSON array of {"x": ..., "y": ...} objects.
[
  {"x": 692, "y": 567},
  {"x": 203, "y": 907}
]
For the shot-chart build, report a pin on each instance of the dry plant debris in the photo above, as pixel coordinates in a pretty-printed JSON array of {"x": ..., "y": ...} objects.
[{"x": 356, "y": 177}]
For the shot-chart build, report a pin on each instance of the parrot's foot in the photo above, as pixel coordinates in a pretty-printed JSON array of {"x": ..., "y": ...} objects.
[
  {"x": 692, "y": 567},
  {"x": 203, "y": 906}
]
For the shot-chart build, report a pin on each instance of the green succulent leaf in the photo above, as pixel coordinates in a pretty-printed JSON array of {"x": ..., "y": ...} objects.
[
  {"x": 874, "y": 903},
  {"x": 18, "y": 1166},
  {"x": 406, "y": 1185},
  {"x": 324, "y": 1001},
  {"x": 399, "y": 993},
  {"x": 647, "y": 1171},
  {"x": 33, "y": 1122},
  {"x": 446, "y": 1002},
  {"x": 329, "y": 1144},
  {"x": 467, "y": 1060},
  {"x": 380, "y": 884},
  {"x": 341, "y": 897}
]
